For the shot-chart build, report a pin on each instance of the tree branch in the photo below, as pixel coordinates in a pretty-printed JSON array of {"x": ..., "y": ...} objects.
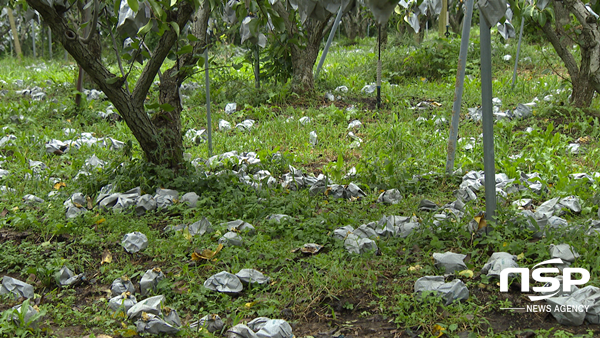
[
  {"x": 90, "y": 36},
  {"x": 554, "y": 38},
  {"x": 166, "y": 42}
]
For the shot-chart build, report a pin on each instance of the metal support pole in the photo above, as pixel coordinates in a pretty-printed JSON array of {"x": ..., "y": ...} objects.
[
  {"x": 336, "y": 23},
  {"x": 257, "y": 68},
  {"x": 33, "y": 37},
  {"x": 518, "y": 52},
  {"x": 50, "y": 42},
  {"x": 379, "y": 69},
  {"x": 458, "y": 89},
  {"x": 207, "y": 87},
  {"x": 488, "y": 118}
]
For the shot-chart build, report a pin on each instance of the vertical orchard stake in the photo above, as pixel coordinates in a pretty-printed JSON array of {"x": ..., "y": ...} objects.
[
  {"x": 514, "y": 78},
  {"x": 13, "y": 28},
  {"x": 207, "y": 87},
  {"x": 257, "y": 68},
  {"x": 50, "y": 42},
  {"x": 458, "y": 89},
  {"x": 33, "y": 37},
  {"x": 379, "y": 69},
  {"x": 329, "y": 40},
  {"x": 488, "y": 118}
]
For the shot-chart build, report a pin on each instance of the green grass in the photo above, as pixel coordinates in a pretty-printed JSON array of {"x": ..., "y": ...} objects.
[{"x": 329, "y": 287}]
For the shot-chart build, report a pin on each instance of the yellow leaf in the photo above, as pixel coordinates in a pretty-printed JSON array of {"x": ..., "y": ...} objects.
[
  {"x": 504, "y": 244},
  {"x": 466, "y": 273},
  {"x": 186, "y": 234},
  {"x": 106, "y": 257},
  {"x": 15, "y": 208},
  {"x": 415, "y": 268},
  {"x": 521, "y": 256},
  {"x": 438, "y": 330},
  {"x": 207, "y": 254},
  {"x": 249, "y": 305},
  {"x": 481, "y": 222},
  {"x": 59, "y": 185},
  {"x": 129, "y": 333},
  {"x": 101, "y": 220}
]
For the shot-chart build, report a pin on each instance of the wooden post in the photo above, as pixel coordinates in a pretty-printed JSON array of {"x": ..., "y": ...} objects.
[{"x": 13, "y": 27}]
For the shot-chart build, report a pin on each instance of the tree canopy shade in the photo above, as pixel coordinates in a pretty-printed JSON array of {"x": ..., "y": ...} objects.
[{"x": 159, "y": 136}]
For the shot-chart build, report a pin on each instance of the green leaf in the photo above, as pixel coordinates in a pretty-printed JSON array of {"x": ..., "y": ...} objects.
[
  {"x": 192, "y": 38},
  {"x": 152, "y": 106},
  {"x": 146, "y": 28},
  {"x": 278, "y": 23},
  {"x": 542, "y": 19},
  {"x": 175, "y": 27},
  {"x": 117, "y": 6},
  {"x": 167, "y": 107},
  {"x": 133, "y": 4},
  {"x": 173, "y": 3},
  {"x": 88, "y": 5},
  {"x": 158, "y": 11},
  {"x": 185, "y": 49},
  {"x": 237, "y": 66},
  {"x": 113, "y": 80}
]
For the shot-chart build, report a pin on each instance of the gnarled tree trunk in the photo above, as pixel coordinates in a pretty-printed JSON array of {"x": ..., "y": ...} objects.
[
  {"x": 585, "y": 75},
  {"x": 160, "y": 137},
  {"x": 304, "y": 56}
]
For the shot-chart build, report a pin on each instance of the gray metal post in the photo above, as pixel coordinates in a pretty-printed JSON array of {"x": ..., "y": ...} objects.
[
  {"x": 336, "y": 23},
  {"x": 50, "y": 42},
  {"x": 458, "y": 89},
  {"x": 518, "y": 52},
  {"x": 33, "y": 36},
  {"x": 207, "y": 86},
  {"x": 488, "y": 118},
  {"x": 257, "y": 68}
]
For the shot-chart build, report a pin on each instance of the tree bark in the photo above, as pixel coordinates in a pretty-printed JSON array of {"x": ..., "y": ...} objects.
[
  {"x": 303, "y": 56},
  {"x": 352, "y": 22},
  {"x": 95, "y": 45},
  {"x": 585, "y": 74},
  {"x": 158, "y": 138},
  {"x": 169, "y": 123}
]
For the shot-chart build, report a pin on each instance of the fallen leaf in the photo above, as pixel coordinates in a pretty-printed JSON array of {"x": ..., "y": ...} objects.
[
  {"x": 521, "y": 256},
  {"x": 207, "y": 254},
  {"x": 466, "y": 273},
  {"x": 186, "y": 234},
  {"x": 101, "y": 220},
  {"x": 59, "y": 185},
  {"x": 106, "y": 257},
  {"x": 480, "y": 221},
  {"x": 415, "y": 268},
  {"x": 90, "y": 203},
  {"x": 438, "y": 330},
  {"x": 4, "y": 212},
  {"x": 249, "y": 305}
]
